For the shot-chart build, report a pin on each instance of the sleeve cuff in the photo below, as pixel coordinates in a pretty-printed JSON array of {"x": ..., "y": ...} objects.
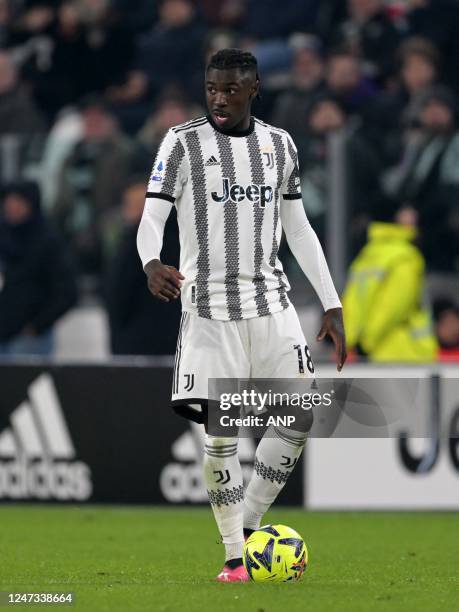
[
  {"x": 332, "y": 304},
  {"x": 160, "y": 196},
  {"x": 292, "y": 196}
]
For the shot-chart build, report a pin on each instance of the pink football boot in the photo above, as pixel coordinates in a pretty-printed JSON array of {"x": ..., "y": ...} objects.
[{"x": 238, "y": 574}]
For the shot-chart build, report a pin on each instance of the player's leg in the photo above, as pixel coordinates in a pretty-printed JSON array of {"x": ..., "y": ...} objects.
[
  {"x": 282, "y": 353},
  {"x": 276, "y": 457},
  {"x": 223, "y": 480},
  {"x": 214, "y": 349}
]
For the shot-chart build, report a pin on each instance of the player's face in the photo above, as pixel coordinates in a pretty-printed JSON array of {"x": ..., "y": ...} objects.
[{"x": 229, "y": 95}]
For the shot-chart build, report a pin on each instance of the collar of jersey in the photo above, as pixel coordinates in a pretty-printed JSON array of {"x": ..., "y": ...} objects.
[{"x": 236, "y": 133}]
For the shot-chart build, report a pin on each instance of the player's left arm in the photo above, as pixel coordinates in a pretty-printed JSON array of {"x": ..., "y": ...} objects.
[{"x": 308, "y": 252}]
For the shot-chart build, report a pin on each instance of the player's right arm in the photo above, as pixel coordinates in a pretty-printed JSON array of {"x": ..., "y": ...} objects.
[
  {"x": 163, "y": 280},
  {"x": 164, "y": 187}
]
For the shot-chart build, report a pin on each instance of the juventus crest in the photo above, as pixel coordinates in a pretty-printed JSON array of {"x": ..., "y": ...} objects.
[
  {"x": 268, "y": 159},
  {"x": 189, "y": 382}
]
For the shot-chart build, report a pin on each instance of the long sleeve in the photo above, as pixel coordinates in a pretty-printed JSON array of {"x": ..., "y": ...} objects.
[
  {"x": 306, "y": 248},
  {"x": 151, "y": 229},
  {"x": 164, "y": 188}
]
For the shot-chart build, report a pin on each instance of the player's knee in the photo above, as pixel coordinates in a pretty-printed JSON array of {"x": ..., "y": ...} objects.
[
  {"x": 304, "y": 421},
  {"x": 298, "y": 432}
]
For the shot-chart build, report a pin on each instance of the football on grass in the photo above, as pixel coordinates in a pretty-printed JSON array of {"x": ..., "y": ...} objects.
[{"x": 275, "y": 553}]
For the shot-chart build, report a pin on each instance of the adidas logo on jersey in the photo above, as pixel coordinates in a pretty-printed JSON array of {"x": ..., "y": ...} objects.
[
  {"x": 212, "y": 161},
  {"x": 37, "y": 456}
]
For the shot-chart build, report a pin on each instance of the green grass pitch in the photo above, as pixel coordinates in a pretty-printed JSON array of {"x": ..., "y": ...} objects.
[{"x": 164, "y": 559}]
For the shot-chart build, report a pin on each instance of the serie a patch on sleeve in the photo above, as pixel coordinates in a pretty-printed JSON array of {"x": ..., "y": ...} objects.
[{"x": 157, "y": 174}]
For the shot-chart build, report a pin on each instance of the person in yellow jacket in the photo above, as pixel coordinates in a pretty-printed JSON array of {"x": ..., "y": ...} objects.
[{"x": 384, "y": 316}]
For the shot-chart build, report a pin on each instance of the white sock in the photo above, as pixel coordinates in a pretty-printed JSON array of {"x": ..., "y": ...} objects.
[
  {"x": 276, "y": 456},
  {"x": 223, "y": 478}
]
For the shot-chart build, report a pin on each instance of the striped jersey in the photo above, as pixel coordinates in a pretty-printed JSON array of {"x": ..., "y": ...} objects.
[{"x": 228, "y": 189}]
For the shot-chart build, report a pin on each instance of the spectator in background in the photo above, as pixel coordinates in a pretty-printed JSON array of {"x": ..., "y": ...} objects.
[
  {"x": 171, "y": 53},
  {"x": 37, "y": 283},
  {"x": 109, "y": 45},
  {"x": 446, "y": 314},
  {"x": 139, "y": 15},
  {"x": 168, "y": 56},
  {"x": 90, "y": 182},
  {"x": 265, "y": 31},
  {"x": 386, "y": 116},
  {"x": 62, "y": 138},
  {"x": 32, "y": 43},
  {"x": 272, "y": 20},
  {"x": 438, "y": 21},
  {"x": 139, "y": 324},
  {"x": 18, "y": 113},
  {"x": 219, "y": 39},
  {"x": 170, "y": 111},
  {"x": 327, "y": 116},
  {"x": 62, "y": 80},
  {"x": 307, "y": 72},
  {"x": 345, "y": 81},
  {"x": 370, "y": 34},
  {"x": 223, "y": 14},
  {"x": 71, "y": 49},
  {"x": 427, "y": 177},
  {"x": 28, "y": 27},
  {"x": 330, "y": 15},
  {"x": 6, "y": 18},
  {"x": 384, "y": 315}
]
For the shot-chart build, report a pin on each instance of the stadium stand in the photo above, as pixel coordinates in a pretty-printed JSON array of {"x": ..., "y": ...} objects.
[{"x": 89, "y": 87}]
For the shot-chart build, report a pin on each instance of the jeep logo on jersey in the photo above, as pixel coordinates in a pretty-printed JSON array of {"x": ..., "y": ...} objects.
[{"x": 258, "y": 194}]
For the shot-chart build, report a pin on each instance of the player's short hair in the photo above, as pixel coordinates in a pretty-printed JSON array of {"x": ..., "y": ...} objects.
[{"x": 228, "y": 59}]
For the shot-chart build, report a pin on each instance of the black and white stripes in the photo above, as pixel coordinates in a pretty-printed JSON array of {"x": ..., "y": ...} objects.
[
  {"x": 194, "y": 123},
  {"x": 198, "y": 181},
  {"x": 233, "y": 294},
  {"x": 258, "y": 178},
  {"x": 279, "y": 149},
  {"x": 229, "y": 214},
  {"x": 172, "y": 167},
  {"x": 178, "y": 355},
  {"x": 294, "y": 179}
]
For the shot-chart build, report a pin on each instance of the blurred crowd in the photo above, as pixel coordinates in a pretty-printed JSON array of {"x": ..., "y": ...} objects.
[{"x": 88, "y": 88}]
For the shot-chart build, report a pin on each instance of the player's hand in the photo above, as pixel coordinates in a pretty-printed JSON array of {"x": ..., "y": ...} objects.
[
  {"x": 164, "y": 281},
  {"x": 333, "y": 326}
]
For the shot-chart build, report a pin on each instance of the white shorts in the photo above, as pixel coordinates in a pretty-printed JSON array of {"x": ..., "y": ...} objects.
[{"x": 272, "y": 346}]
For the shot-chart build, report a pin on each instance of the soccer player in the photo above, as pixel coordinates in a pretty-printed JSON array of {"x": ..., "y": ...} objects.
[{"x": 235, "y": 183}]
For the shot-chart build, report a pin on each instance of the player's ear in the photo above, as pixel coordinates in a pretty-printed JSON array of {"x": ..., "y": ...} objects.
[{"x": 255, "y": 95}]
